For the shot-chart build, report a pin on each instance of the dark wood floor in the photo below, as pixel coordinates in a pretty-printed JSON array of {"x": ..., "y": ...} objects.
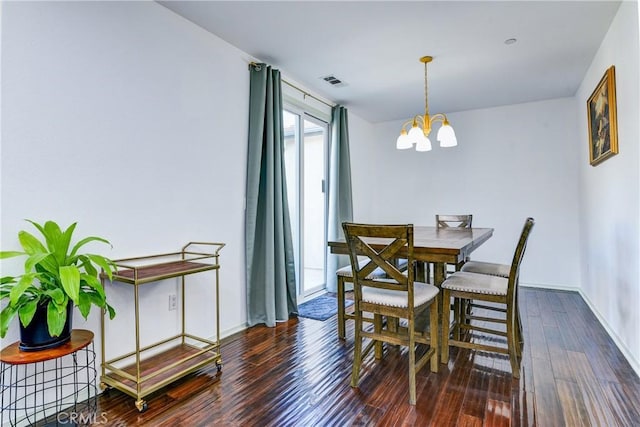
[{"x": 297, "y": 374}]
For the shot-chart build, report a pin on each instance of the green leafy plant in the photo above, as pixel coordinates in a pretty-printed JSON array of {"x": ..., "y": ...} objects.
[{"x": 54, "y": 274}]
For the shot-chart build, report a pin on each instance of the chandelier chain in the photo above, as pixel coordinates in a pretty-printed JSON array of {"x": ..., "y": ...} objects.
[{"x": 426, "y": 102}]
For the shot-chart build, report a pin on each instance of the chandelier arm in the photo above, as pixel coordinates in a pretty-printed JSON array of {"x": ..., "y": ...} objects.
[
  {"x": 439, "y": 117},
  {"x": 408, "y": 122}
]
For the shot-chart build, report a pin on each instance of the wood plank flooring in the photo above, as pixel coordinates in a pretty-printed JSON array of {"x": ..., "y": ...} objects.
[{"x": 297, "y": 374}]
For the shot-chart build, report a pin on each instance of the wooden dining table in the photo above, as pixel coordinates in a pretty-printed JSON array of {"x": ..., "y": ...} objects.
[{"x": 439, "y": 246}]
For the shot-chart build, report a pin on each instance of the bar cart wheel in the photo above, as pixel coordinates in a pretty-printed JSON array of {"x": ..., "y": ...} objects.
[
  {"x": 106, "y": 389},
  {"x": 141, "y": 405},
  {"x": 219, "y": 366}
]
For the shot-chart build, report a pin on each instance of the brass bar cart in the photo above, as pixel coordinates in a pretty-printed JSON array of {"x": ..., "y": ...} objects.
[{"x": 180, "y": 354}]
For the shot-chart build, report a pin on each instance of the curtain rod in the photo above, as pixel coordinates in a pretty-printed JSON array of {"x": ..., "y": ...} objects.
[{"x": 304, "y": 92}]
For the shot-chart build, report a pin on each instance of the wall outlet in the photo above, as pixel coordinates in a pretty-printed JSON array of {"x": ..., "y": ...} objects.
[{"x": 173, "y": 302}]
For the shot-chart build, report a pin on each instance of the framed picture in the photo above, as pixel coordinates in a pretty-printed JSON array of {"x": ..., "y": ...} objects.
[{"x": 602, "y": 118}]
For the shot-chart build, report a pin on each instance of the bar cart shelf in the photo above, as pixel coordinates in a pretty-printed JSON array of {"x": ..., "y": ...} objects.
[{"x": 163, "y": 362}]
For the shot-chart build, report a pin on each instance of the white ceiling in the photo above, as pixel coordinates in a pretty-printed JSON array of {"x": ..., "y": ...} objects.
[{"x": 375, "y": 46}]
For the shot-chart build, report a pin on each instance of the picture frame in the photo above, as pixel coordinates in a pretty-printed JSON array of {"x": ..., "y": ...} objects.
[{"x": 602, "y": 119}]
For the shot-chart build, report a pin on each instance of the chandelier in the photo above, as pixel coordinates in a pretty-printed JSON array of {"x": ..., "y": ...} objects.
[{"x": 421, "y": 125}]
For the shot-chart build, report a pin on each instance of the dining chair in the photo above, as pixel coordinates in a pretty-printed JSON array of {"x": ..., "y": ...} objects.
[
  {"x": 491, "y": 269},
  {"x": 455, "y": 221},
  {"x": 492, "y": 289},
  {"x": 396, "y": 297},
  {"x": 344, "y": 276}
]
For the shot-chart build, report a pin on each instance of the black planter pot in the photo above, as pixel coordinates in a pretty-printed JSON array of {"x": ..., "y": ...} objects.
[{"x": 36, "y": 336}]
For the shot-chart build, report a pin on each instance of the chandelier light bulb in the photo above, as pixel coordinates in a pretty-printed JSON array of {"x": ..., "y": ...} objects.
[
  {"x": 416, "y": 135},
  {"x": 403, "y": 142},
  {"x": 447, "y": 136},
  {"x": 424, "y": 145}
]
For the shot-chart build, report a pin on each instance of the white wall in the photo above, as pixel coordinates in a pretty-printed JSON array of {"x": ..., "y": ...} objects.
[
  {"x": 609, "y": 192},
  {"x": 361, "y": 145},
  {"x": 510, "y": 163},
  {"x": 131, "y": 121}
]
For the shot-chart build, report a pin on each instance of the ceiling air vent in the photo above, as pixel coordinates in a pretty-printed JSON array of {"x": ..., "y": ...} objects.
[{"x": 333, "y": 81}]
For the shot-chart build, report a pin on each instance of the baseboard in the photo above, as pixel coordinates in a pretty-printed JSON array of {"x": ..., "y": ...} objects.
[
  {"x": 228, "y": 334},
  {"x": 231, "y": 331},
  {"x": 551, "y": 287},
  {"x": 635, "y": 364},
  {"x": 311, "y": 296}
]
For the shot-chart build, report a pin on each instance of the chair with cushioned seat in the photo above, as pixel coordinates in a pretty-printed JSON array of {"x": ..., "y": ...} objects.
[
  {"x": 494, "y": 289},
  {"x": 396, "y": 297},
  {"x": 491, "y": 269}
]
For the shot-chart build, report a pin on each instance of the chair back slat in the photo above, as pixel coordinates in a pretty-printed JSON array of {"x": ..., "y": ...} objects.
[
  {"x": 518, "y": 255},
  {"x": 381, "y": 245},
  {"x": 454, "y": 221}
]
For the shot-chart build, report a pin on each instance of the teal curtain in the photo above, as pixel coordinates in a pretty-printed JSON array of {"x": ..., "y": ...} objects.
[
  {"x": 271, "y": 285},
  {"x": 340, "y": 199}
]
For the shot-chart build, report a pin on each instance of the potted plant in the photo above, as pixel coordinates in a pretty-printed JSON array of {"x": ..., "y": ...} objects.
[{"x": 56, "y": 278}]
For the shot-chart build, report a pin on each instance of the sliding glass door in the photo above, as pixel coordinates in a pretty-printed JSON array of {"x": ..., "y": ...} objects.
[{"x": 305, "y": 160}]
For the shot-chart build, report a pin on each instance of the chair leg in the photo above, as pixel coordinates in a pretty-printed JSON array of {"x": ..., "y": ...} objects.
[
  {"x": 467, "y": 310},
  {"x": 519, "y": 341},
  {"x": 433, "y": 335},
  {"x": 412, "y": 363},
  {"x": 357, "y": 349},
  {"x": 458, "y": 317},
  {"x": 377, "y": 326},
  {"x": 512, "y": 342},
  {"x": 341, "y": 310},
  {"x": 520, "y": 336},
  {"x": 393, "y": 323},
  {"x": 446, "y": 313}
]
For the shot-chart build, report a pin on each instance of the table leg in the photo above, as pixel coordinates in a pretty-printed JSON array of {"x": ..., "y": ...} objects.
[
  {"x": 420, "y": 272},
  {"x": 439, "y": 274}
]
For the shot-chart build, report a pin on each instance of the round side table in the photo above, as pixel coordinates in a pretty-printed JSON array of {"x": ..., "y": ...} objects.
[{"x": 51, "y": 387}]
